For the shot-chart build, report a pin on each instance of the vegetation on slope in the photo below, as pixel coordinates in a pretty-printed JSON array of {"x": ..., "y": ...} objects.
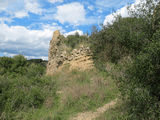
[
  {"x": 73, "y": 41},
  {"x": 132, "y": 44},
  {"x": 26, "y": 93},
  {"x": 22, "y": 87},
  {"x": 127, "y": 50}
]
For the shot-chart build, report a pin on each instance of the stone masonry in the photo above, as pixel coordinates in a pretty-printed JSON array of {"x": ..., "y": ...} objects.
[{"x": 58, "y": 58}]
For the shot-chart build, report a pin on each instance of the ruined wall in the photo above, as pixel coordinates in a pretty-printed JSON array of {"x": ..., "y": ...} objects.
[{"x": 58, "y": 57}]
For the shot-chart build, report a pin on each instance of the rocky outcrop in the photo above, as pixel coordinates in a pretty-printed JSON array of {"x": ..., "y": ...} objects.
[
  {"x": 80, "y": 59},
  {"x": 58, "y": 58}
]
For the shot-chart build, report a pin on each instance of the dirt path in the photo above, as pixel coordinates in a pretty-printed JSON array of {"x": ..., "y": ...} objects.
[{"x": 92, "y": 115}]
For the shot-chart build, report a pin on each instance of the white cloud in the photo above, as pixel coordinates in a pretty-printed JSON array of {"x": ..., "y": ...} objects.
[
  {"x": 33, "y": 6},
  {"x": 73, "y": 33},
  {"x": 20, "y": 40},
  {"x": 28, "y": 57},
  {"x": 123, "y": 12},
  {"x": 53, "y": 27},
  {"x": 110, "y": 18},
  {"x": 21, "y": 14},
  {"x": 55, "y": 1},
  {"x": 37, "y": 57},
  {"x": 32, "y": 44},
  {"x": 90, "y": 7},
  {"x": 5, "y": 19},
  {"x": 20, "y": 8},
  {"x": 72, "y": 13},
  {"x": 3, "y": 4},
  {"x": 90, "y": 20}
]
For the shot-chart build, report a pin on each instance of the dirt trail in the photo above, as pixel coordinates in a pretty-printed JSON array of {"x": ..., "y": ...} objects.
[{"x": 92, "y": 115}]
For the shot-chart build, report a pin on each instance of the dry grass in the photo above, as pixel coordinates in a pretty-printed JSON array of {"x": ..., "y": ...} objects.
[
  {"x": 77, "y": 84},
  {"x": 78, "y": 91}
]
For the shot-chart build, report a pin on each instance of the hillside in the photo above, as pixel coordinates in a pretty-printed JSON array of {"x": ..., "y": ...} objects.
[
  {"x": 112, "y": 74},
  {"x": 28, "y": 93}
]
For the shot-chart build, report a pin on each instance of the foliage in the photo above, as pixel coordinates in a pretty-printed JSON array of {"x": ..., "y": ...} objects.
[
  {"x": 79, "y": 91},
  {"x": 37, "y": 61},
  {"x": 74, "y": 40},
  {"x": 13, "y": 65},
  {"x": 156, "y": 18},
  {"x": 22, "y": 86},
  {"x": 146, "y": 11},
  {"x": 141, "y": 84},
  {"x": 138, "y": 37},
  {"x": 31, "y": 95},
  {"x": 25, "y": 93},
  {"x": 126, "y": 36}
]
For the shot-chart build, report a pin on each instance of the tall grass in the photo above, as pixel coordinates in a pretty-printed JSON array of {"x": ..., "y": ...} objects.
[
  {"x": 30, "y": 95},
  {"x": 77, "y": 91}
]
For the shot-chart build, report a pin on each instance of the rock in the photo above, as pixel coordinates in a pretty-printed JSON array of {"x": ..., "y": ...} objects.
[
  {"x": 58, "y": 57},
  {"x": 56, "y": 34}
]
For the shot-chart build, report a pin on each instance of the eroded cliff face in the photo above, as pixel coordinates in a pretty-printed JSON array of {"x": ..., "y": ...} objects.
[{"x": 58, "y": 57}]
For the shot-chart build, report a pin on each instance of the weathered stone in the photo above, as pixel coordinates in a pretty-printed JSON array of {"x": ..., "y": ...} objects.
[{"x": 80, "y": 58}]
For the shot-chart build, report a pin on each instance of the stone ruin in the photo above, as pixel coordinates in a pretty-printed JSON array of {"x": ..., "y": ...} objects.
[{"x": 58, "y": 57}]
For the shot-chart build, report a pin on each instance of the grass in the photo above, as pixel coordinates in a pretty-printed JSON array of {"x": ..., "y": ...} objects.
[
  {"x": 78, "y": 91},
  {"x": 27, "y": 94}
]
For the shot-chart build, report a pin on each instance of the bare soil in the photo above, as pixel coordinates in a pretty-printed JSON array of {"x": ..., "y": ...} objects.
[{"x": 92, "y": 115}]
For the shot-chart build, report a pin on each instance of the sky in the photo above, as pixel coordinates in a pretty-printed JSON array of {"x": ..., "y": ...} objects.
[{"x": 26, "y": 26}]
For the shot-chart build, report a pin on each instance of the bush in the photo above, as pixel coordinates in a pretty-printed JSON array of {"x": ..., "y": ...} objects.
[
  {"x": 139, "y": 38},
  {"x": 23, "y": 87},
  {"x": 74, "y": 40},
  {"x": 13, "y": 66},
  {"x": 126, "y": 36},
  {"x": 141, "y": 83},
  {"x": 5, "y": 65},
  {"x": 24, "y": 93}
]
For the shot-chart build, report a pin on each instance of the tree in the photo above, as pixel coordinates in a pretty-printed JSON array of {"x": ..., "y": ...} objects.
[
  {"x": 156, "y": 17},
  {"x": 145, "y": 10},
  {"x": 140, "y": 82},
  {"x": 9, "y": 66}
]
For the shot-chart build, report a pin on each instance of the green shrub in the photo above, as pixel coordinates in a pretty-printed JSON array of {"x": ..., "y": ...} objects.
[
  {"x": 139, "y": 38},
  {"x": 74, "y": 40},
  {"x": 13, "y": 66},
  {"x": 35, "y": 70},
  {"x": 141, "y": 83},
  {"x": 5, "y": 65},
  {"x": 156, "y": 17},
  {"x": 24, "y": 93},
  {"x": 126, "y": 36},
  {"x": 23, "y": 87}
]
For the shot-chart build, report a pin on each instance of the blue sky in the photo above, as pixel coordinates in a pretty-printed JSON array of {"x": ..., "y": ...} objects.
[{"x": 26, "y": 26}]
